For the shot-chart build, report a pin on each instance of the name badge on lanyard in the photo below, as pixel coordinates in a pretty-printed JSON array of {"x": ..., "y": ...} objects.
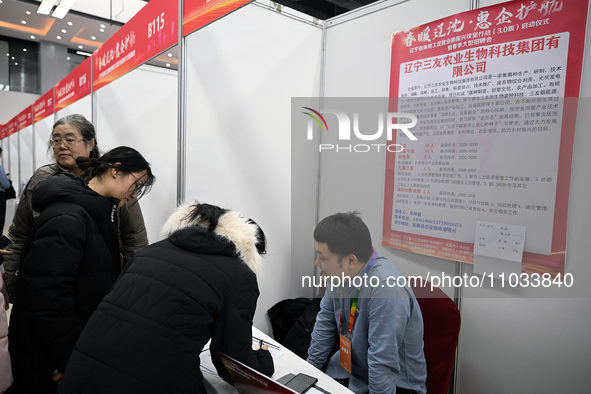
[{"x": 345, "y": 347}]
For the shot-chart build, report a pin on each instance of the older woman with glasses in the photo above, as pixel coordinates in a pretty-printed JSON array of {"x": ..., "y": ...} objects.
[
  {"x": 73, "y": 136},
  {"x": 69, "y": 263}
]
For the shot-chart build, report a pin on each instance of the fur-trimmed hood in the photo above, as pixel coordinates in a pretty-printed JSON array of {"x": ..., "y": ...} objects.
[{"x": 231, "y": 227}]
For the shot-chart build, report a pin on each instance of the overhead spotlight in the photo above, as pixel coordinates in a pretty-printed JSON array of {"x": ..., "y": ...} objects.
[
  {"x": 170, "y": 55},
  {"x": 28, "y": 12},
  {"x": 80, "y": 47},
  {"x": 167, "y": 64},
  {"x": 70, "y": 23},
  {"x": 24, "y": 22},
  {"x": 102, "y": 30},
  {"x": 24, "y": 49},
  {"x": 102, "y": 26},
  {"x": 83, "y": 53},
  {"x": 59, "y": 37},
  {"x": 92, "y": 37},
  {"x": 32, "y": 37},
  {"x": 64, "y": 31},
  {"x": 68, "y": 58}
]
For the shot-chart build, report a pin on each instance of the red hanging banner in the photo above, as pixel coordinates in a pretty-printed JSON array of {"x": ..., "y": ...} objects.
[
  {"x": 25, "y": 118},
  {"x": 74, "y": 86},
  {"x": 43, "y": 107},
  {"x": 12, "y": 126},
  {"x": 198, "y": 13},
  {"x": 150, "y": 32}
]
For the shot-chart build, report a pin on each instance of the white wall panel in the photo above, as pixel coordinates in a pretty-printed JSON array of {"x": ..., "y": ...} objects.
[
  {"x": 25, "y": 157},
  {"x": 82, "y": 107},
  {"x": 242, "y": 72},
  {"x": 140, "y": 110},
  {"x": 42, "y": 135}
]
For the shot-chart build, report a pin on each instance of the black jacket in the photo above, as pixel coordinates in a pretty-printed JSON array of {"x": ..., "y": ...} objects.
[
  {"x": 70, "y": 261},
  {"x": 147, "y": 334}
]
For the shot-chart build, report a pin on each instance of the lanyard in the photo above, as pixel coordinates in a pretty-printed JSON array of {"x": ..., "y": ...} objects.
[{"x": 370, "y": 265}]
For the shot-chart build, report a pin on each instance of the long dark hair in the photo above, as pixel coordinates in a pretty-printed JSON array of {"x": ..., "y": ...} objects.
[
  {"x": 122, "y": 158},
  {"x": 84, "y": 127}
]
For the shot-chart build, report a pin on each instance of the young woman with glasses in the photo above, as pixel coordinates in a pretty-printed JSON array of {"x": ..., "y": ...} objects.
[
  {"x": 72, "y": 136},
  {"x": 69, "y": 263}
]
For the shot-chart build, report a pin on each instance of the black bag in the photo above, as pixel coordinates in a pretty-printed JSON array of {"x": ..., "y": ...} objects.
[{"x": 10, "y": 192}]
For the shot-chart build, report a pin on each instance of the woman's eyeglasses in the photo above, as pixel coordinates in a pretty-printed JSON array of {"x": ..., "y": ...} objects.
[
  {"x": 138, "y": 189},
  {"x": 69, "y": 142}
]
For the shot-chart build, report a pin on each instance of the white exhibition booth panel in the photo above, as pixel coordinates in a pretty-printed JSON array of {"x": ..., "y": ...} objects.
[
  {"x": 508, "y": 335},
  {"x": 13, "y": 159},
  {"x": 25, "y": 156},
  {"x": 139, "y": 110},
  {"x": 42, "y": 134},
  {"x": 242, "y": 71},
  {"x": 82, "y": 107}
]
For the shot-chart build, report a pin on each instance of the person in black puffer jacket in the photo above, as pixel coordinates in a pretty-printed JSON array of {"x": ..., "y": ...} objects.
[
  {"x": 199, "y": 283},
  {"x": 70, "y": 261}
]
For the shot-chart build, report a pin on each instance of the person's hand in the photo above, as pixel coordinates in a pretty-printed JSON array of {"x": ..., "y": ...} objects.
[
  {"x": 6, "y": 252},
  {"x": 57, "y": 376},
  {"x": 265, "y": 347}
]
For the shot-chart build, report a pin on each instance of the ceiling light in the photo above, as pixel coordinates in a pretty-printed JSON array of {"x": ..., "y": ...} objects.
[
  {"x": 28, "y": 12},
  {"x": 64, "y": 31},
  {"x": 24, "y": 22},
  {"x": 80, "y": 47},
  {"x": 92, "y": 37},
  {"x": 59, "y": 37},
  {"x": 70, "y": 23},
  {"x": 16, "y": 63},
  {"x": 24, "y": 49},
  {"x": 46, "y": 6},
  {"x": 102, "y": 30},
  {"x": 167, "y": 64},
  {"x": 102, "y": 26},
  {"x": 68, "y": 58},
  {"x": 170, "y": 55},
  {"x": 32, "y": 37},
  {"x": 60, "y": 11},
  {"x": 83, "y": 53}
]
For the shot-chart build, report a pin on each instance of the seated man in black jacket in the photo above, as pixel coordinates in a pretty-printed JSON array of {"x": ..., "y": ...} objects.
[{"x": 197, "y": 284}]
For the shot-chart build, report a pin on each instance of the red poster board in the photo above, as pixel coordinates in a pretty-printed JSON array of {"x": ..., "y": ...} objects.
[
  {"x": 12, "y": 126},
  {"x": 198, "y": 13},
  {"x": 482, "y": 53},
  {"x": 43, "y": 107},
  {"x": 150, "y": 32},
  {"x": 25, "y": 118},
  {"x": 74, "y": 86},
  {"x": 3, "y": 131}
]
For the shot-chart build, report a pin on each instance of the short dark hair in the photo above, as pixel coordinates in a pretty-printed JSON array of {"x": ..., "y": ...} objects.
[
  {"x": 344, "y": 234},
  {"x": 84, "y": 127},
  {"x": 122, "y": 158},
  {"x": 210, "y": 214}
]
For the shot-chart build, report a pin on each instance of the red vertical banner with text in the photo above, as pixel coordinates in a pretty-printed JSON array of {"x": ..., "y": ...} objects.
[
  {"x": 150, "y": 32},
  {"x": 74, "y": 86},
  {"x": 198, "y": 13},
  {"x": 25, "y": 118},
  {"x": 494, "y": 91},
  {"x": 12, "y": 126},
  {"x": 43, "y": 107},
  {"x": 3, "y": 130}
]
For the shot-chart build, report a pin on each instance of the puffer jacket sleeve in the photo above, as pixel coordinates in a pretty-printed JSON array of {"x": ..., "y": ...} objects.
[
  {"x": 232, "y": 331},
  {"x": 24, "y": 218},
  {"x": 46, "y": 287},
  {"x": 132, "y": 230},
  {"x": 5, "y": 368}
]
